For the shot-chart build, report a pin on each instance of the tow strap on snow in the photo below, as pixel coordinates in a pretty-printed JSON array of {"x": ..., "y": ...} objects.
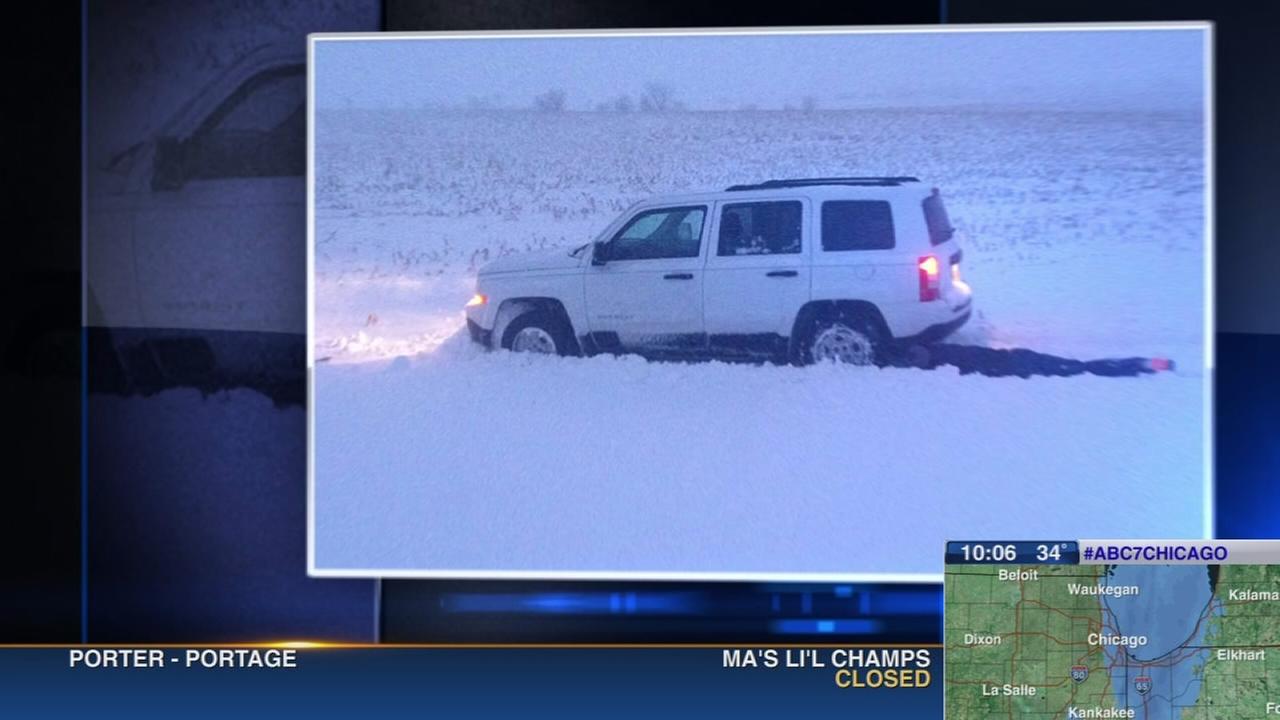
[{"x": 996, "y": 362}]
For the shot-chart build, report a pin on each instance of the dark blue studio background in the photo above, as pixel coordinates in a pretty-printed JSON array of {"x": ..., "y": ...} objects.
[{"x": 172, "y": 526}]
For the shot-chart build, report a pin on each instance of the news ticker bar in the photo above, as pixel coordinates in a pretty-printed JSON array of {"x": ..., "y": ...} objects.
[
  {"x": 1113, "y": 552},
  {"x": 465, "y": 681},
  {"x": 849, "y": 667}
]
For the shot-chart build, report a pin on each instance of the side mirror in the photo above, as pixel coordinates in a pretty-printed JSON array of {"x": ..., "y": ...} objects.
[
  {"x": 600, "y": 253},
  {"x": 169, "y": 166}
]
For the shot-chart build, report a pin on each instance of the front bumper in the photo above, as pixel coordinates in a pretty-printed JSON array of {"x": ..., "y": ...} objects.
[{"x": 479, "y": 334}]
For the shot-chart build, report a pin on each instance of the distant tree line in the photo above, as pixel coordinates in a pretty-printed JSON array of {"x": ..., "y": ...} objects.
[
  {"x": 551, "y": 101},
  {"x": 653, "y": 98}
]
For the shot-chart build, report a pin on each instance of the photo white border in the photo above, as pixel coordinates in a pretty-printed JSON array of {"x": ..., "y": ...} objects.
[{"x": 1204, "y": 27}]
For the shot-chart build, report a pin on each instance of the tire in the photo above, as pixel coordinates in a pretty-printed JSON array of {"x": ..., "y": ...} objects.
[
  {"x": 845, "y": 339},
  {"x": 538, "y": 332}
]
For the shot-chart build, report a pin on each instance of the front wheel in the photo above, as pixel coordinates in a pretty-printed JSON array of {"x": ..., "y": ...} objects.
[
  {"x": 537, "y": 332},
  {"x": 849, "y": 342}
]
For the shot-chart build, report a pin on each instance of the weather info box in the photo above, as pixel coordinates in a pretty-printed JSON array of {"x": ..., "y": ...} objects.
[{"x": 1112, "y": 629}]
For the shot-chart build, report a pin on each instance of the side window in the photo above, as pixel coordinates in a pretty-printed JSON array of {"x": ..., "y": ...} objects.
[
  {"x": 762, "y": 228},
  {"x": 260, "y": 131},
  {"x": 665, "y": 233},
  {"x": 935, "y": 216},
  {"x": 857, "y": 225}
]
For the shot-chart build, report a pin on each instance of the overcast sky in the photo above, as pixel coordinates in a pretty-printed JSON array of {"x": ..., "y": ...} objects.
[{"x": 1108, "y": 70}]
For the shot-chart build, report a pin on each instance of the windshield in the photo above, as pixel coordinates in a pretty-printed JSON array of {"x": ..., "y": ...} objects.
[{"x": 935, "y": 216}]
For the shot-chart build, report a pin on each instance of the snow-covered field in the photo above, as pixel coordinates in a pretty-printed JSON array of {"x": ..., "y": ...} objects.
[{"x": 1083, "y": 236}]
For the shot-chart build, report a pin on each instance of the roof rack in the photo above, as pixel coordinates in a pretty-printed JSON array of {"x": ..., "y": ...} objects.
[{"x": 874, "y": 181}]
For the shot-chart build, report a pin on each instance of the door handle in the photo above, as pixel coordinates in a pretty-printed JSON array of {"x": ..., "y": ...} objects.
[
  {"x": 781, "y": 273},
  {"x": 678, "y": 276}
]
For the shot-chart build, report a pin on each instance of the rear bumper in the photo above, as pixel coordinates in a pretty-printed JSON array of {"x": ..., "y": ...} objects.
[
  {"x": 479, "y": 334},
  {"x": 934, "y": 333}
]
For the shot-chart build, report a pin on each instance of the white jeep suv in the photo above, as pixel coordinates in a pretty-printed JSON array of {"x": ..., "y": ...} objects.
[{"x": 802, "y": 270}]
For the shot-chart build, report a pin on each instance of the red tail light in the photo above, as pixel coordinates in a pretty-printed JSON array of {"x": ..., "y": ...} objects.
[{"x": 930, "y": 271}]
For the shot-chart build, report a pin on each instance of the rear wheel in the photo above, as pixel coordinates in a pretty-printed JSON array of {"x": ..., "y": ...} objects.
[
  {"x": 537, "y": 332},
  {"x": 844, "y": 340}
]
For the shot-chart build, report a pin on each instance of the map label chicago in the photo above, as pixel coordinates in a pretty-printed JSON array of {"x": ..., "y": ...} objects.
[{"x": 1129, "y": 641}]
